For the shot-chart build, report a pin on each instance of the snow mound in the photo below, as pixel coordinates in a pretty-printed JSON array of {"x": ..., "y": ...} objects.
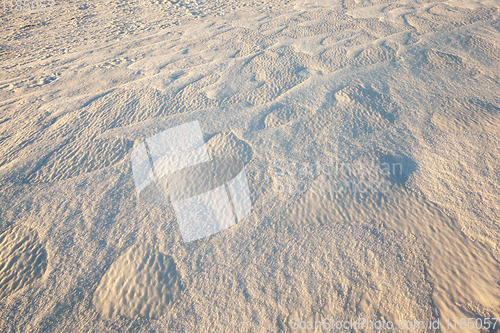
[
  {"x": 228, "y": 145},
  {"x": 364, "y": 109},
  {"x": 141, "y": 282}
]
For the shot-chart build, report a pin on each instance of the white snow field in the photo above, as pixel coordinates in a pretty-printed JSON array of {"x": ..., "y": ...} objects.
[{"x": 367, "y": 130}]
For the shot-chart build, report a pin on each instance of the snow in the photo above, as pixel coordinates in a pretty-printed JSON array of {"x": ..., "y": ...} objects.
[{"x": 414, "y": 82}]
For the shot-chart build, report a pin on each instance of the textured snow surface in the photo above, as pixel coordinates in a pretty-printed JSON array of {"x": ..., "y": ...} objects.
[
  {"x": 141, "y": 282},
  {"x": 283, "y": 87},
  {"x": 22, "y": 259}
]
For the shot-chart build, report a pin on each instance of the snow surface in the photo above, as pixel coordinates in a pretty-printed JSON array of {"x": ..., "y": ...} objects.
[{"x": 290, "y": 88}]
